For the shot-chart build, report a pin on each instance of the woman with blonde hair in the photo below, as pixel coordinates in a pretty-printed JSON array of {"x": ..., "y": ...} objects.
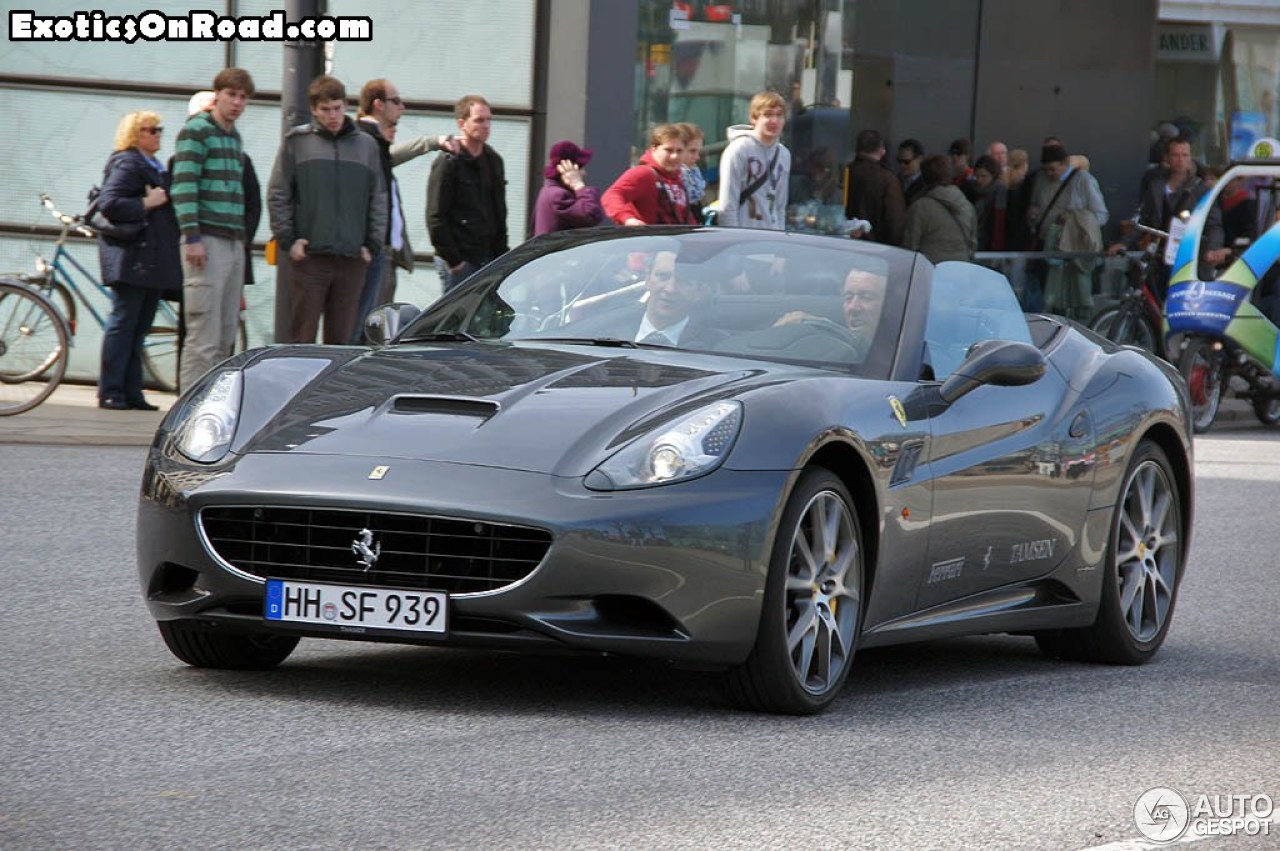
[{"x": 141, "y": 270}]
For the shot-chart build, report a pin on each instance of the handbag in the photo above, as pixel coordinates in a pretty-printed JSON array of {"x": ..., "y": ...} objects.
[{"x": 120, "y": 232}]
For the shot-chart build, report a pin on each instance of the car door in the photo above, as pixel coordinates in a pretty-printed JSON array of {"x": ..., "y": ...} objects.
[{"x": 1008, "y": 503}]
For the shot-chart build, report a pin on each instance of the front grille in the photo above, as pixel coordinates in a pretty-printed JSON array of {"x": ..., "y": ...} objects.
[{"x": 414, "y": 551}]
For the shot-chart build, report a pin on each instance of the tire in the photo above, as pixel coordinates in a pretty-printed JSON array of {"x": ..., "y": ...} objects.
[
  {"x": 1267, "y": 410},
  {"x": 1143, "y": 570},
  {"x": 1202, "y": 368},
  {"x": 210, "y": 647},
  {"x": 160, "y": 357},
  {"x": 33, "y": 348},
  {"x": 812, "y": 612},
  {"x": 62, "y": 299},
  {"x": 1120, "y": 324}
]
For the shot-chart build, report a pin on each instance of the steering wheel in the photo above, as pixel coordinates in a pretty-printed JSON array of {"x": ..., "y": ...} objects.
[{"x": 860, "y": 345}]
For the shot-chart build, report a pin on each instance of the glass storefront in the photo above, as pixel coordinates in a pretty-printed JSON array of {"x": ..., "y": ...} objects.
[
  {"x": 1217, "y": 82},
  {"x": 701, "y": 62}
]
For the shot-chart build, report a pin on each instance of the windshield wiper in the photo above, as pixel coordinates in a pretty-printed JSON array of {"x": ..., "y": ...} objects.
[
  {"x": 614, "y": 342},
  {"x": 441, "y": 337}
]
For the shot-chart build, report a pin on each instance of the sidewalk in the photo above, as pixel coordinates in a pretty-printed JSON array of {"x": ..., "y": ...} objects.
[{"x": 72, "y": 416}]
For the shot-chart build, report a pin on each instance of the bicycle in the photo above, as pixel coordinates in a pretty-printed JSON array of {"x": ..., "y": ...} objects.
[
  {"x": 33, "y": 348},
  {"x": 57, "y": 281},
  {"x": 1137, "y": 319}
]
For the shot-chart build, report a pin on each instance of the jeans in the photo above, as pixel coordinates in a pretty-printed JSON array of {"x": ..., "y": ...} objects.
[
  {"x": 449, "y": 279},
  {"x": 373, "y": 275},
  {"x": 132, "y": 310}
]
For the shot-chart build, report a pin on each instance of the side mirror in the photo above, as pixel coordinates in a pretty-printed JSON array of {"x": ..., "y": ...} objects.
[
  {"x": 1004, "y": 363},
  {"x": 385, "y": 321}
]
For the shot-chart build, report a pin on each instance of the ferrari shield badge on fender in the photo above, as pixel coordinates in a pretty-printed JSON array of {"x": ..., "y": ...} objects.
[
  {"x": 379, "y": 472},
  {"x": 898, "y": 411}
]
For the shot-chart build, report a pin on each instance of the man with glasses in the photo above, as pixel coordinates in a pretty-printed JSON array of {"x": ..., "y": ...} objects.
[
  {"x": 871, "y": 192},
  {"x": 910, "y": 155},
  {"x": 380, "y": 109},
  {"x": 209, "y": 200}
]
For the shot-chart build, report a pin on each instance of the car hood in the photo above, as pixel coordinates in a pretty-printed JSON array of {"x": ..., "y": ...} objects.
[{"x": 556, "y": 409}]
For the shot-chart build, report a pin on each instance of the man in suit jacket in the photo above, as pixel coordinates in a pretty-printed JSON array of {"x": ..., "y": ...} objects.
[{"x": 665, "y": 317}]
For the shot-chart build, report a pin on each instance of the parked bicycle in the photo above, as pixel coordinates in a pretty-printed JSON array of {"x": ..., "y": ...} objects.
[
  {"x": 33, "y": 348},
  {"x": 65, "y": 282},
  {"x": 1136, "y": 319}
]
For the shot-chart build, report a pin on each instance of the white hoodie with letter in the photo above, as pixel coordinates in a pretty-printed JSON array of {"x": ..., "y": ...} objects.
[{"x": 745, "y": 162}]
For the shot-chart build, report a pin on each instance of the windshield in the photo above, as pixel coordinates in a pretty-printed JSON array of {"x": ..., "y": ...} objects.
[{"x": 749, "y": 293}]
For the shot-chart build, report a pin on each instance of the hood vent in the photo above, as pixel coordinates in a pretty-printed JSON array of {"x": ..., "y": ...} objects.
[{"x": 451, "y": 405}]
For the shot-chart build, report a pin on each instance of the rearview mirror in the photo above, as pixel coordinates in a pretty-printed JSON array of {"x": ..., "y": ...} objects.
[
  {"x": 1003, "y": 363},
  {"x": 385, "y": 321}
]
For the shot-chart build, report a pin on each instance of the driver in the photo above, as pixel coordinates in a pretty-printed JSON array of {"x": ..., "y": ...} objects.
[{"x": 863, "y": 300}]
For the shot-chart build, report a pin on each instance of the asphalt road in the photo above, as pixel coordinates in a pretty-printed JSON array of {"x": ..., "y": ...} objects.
[{"x": 107, "y": 742}]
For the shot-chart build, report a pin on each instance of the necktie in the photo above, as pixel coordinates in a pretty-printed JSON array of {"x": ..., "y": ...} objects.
[{"x": 657, "y": 338}]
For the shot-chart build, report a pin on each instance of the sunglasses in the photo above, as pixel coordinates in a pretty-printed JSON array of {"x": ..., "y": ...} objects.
[
  {"x": 907, "y": 161},
  {"x": 154, "y": 131}
]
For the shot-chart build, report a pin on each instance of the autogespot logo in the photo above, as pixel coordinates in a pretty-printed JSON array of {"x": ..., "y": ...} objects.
[{"x": 1162, "y": 814}]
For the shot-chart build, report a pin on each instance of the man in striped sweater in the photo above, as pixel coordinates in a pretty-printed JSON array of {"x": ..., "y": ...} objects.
[{"x": 208, "y": 197}]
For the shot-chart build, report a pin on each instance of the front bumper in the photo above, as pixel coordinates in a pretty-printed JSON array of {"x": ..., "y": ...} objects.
[{"x": 675, "y": 572}]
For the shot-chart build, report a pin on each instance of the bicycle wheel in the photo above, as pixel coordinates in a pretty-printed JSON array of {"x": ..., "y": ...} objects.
[
  {"x": 58, "y": 293},
  {"x": 160, "y": 357},
  {"x": 33, "y": 348},
  {"x": 1202, "y": 367}
]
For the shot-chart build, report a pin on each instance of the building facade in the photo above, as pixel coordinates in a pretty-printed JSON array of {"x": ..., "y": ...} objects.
[{"x": 1097, "y": 73}]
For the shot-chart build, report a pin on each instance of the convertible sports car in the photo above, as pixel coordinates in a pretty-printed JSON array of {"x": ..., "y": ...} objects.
[{"x": 742, "y": 451}]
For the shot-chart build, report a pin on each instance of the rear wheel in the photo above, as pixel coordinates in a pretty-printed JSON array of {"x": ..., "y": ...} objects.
[
  {"x": 1202, "y": 367},
  {"x": 1121, "y": 324},
  {"x": 812, "y": 604},
  {"x": 210, "y": 647},
  {"x": 1142, "y": 574}
]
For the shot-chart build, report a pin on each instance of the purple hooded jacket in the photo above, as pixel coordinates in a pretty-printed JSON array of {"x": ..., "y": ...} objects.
[{"x": 558, "y": 208}]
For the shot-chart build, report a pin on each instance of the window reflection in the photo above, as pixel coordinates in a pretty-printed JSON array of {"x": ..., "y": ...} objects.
[{"x": 701, "y": 62}]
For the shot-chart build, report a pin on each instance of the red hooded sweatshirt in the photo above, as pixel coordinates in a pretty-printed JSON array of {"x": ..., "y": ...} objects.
[{"x": 649, "y": 194}]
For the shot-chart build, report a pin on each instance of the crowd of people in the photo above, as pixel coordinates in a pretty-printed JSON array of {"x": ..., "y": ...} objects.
[{"x": 335, "y": 208}]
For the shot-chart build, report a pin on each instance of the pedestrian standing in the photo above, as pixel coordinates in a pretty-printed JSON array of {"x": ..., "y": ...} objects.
[
  {"x": 695, "y": 183},
  {"x": 328, "y": 204},
  {"x": 565, "y": 200},
  {"x": 991, "y": 203},
  {"x": 872, "y": 193},
  {"x": 379, "y": 114},
  {"x": 756, "y": 167},
  {"x": 941, "y": 224},
  {"x": 652, "y": 193},
  {"x": 141, "y": 271},
  {"x": 467, "y": 198},
  {"x": 208, "y": 199}
]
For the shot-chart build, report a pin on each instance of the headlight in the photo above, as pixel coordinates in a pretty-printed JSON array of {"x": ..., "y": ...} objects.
[
  {"x": 206, "y": 431},
  {"x": 691, "y": 446}
]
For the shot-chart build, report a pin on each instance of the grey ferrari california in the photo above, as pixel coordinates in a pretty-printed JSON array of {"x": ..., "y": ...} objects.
[{"x": 748, "y": 452}]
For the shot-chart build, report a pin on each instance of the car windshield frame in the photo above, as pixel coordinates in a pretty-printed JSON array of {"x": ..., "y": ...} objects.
[{"x": 765, "y": 295}]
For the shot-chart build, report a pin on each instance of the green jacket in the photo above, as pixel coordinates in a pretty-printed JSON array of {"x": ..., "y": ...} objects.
[
  {"x": 208, "y": 180},
  {"x": 328, "y": 189}
]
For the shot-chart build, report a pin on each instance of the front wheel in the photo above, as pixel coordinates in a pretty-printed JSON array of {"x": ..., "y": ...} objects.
[
  {"x": 1267, "y": 409},
  {"x": 210, "y": 647},
  {"x": 1143, "y": 570},
  {"x": 1203, "y": 367},
  {"x": 812, "y": 604}
]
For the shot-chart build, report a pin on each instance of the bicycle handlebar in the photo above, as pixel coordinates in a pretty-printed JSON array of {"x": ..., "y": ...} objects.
[
  {"x": 1153, "y": 231},
  {"x": 66, "y": 220}
]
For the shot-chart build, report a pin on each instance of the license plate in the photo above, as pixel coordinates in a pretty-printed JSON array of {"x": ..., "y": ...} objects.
[{"x": 357, "y": 608}]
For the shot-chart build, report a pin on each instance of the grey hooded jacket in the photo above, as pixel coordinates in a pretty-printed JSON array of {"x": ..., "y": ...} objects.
[{"x": 942, "y": 225}]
